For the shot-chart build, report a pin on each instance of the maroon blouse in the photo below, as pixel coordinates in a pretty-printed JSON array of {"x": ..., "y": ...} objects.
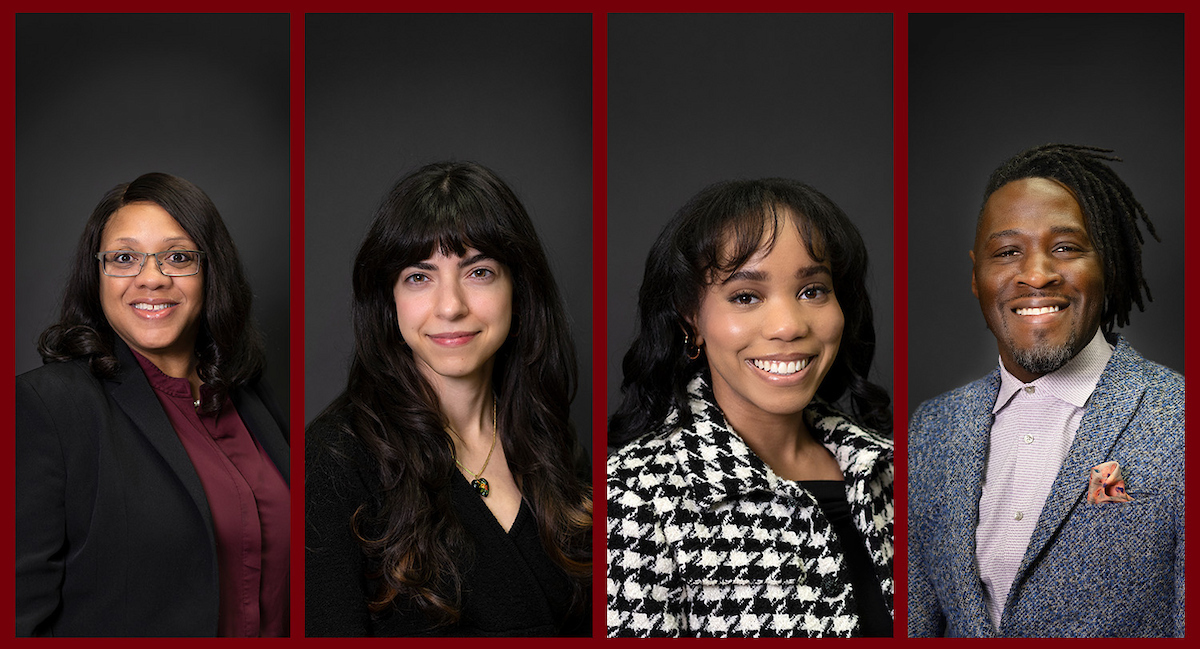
[{"x": 249, "y": 501}]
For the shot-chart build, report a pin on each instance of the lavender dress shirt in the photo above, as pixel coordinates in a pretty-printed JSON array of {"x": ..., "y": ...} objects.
[{"x": 1034, "y": 426}]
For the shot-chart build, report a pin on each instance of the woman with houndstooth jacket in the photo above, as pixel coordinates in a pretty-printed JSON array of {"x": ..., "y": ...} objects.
[{"x": 741, "y": 502}]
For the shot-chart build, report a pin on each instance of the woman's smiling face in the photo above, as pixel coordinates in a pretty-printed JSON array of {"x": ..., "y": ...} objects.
[
  {"x": 156, "y": 315},
  {"x": 771, "y": 329},
  {"x": 455, "y": 313}
]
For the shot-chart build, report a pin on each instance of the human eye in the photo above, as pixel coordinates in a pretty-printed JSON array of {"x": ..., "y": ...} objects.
[
  {"x": 814, "y": 292},
  {"x": 124, "y": 259},
  {"x": 482, "y": 272},
  {"x": 744, "y": 298},
  {"x": 178, "y": 257},
  {"x": 416, "y": 278},
  {"x": 1007, "y": 251},
  {"x": 1068, "y": 248}
]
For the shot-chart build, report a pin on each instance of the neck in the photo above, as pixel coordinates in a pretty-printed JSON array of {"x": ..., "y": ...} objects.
[
  {"x": 467, "y": 406},
  {"x": 777, "y": 439}
]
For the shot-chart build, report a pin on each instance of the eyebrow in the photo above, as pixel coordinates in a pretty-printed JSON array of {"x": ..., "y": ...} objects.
[
  {"x": 473, "y": 259},
  {"x": 1057, "y": 229},
  {"x": 135, "y": 241},
  {"x": 759, "y": 276}
]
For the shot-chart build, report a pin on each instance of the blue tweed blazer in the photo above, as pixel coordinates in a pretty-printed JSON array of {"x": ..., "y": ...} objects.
[{"x": 1091, "y": 570}]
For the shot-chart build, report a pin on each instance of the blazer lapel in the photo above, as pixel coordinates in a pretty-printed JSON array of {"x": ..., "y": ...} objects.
[
  {"x": 262, "y": 425},
  {"x": 132, "y": 392},
  {"x": 1109, "y": 410},
  {"x": 969, "y": 434}
]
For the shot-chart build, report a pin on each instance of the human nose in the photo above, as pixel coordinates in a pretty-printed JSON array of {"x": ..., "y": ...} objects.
[
  {"x": 1038, "y": 270},
  {"x": 451, "y": 301},
  {"x": 151, "y": 274},
  {"x": 785, "y": 320}
]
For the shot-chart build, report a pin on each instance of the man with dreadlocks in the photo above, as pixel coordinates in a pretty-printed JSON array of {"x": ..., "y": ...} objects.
[{"x": 1046, "y": 498}]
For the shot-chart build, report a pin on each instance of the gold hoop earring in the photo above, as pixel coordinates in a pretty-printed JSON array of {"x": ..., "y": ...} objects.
[{"x": 692, "y": 351}]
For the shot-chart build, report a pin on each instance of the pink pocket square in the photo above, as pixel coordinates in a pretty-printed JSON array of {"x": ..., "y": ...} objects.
[{"x": 1105, "y": 484}]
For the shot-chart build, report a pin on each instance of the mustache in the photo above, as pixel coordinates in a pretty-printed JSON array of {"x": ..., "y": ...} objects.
[{"x": 1041, "y": 294}]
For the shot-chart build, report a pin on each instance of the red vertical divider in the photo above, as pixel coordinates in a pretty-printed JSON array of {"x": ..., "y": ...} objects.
[
  {"x": 1191, "y": 308},
  {"x": 599, "y": 314},
  {"x": 900, "y": 311},
  {"x": 296, "y": 339},
  {"x": 8, "y": 381}
]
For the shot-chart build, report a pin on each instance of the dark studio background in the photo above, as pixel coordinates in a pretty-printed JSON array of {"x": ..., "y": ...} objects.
[
  {"x": 697, "y": 99},
  {"x": 985, "y": 87},
  {"x": 103, "y": 99},
  {"x": 387, "y": 94}
]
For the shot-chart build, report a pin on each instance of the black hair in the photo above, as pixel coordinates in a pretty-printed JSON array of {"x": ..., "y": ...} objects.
[
  {"x": 416, "y": 544},
  {"x": 1109, "y": 208},
  {"x": 714, "y": 234},
  {"x": 229, "y": 349}
]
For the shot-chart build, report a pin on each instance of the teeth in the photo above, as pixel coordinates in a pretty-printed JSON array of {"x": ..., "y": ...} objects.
[
  {"x": 151, "y": 307},
  {"x": 783, "y": 369},
  {"x": 1038, "y": 310}
]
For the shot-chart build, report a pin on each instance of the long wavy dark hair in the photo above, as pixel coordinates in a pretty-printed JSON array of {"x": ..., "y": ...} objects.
[
  {"x": 714, "y": 234},
  {"x": 229, "y": 348},
  {"x": 394, "y": 410}
]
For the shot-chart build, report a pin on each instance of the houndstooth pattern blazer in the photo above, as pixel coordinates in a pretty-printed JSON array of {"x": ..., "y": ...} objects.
[{"x": 705, "y": 540}]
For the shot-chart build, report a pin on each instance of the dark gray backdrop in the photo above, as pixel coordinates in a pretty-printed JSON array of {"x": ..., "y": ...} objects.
[
  {"x": 388, "y": 94},
  {"x": 985, "y": 87},
  {"x": 103, "y": 99},
  {"x": 696, "y": 99}
]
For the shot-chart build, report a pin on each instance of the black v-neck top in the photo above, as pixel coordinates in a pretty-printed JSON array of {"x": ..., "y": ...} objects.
[{"x": 510, "y": 586}]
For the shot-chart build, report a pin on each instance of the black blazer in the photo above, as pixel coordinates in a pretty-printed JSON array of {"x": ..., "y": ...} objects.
[{"x": 114, "y": 533}]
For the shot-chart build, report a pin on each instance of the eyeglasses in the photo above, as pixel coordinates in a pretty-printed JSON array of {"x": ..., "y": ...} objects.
[{"x": 172, "y": 263}]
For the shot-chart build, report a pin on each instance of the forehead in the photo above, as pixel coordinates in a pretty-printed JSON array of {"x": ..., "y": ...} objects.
[
  {"x": 1030, "y": 206},
  {"x": 142, "y": 222}
]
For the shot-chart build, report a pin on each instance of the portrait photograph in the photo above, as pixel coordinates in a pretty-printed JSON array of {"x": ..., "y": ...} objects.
[
  {"x": 152, "y": 325},
  {"x": 448, "y": 187},
  {"x": 1046, "y": 438},
  {"x": 750, "y": 184}
]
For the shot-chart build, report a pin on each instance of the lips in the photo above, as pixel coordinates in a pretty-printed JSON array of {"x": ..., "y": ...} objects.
[
  {"x": 1033, "y": 306},
  {"x": 785, "y": 368},
  {"x": 781, "y": 369},
  {"x": 153, "y": 309},
  {"x": 453, "y": 338}
]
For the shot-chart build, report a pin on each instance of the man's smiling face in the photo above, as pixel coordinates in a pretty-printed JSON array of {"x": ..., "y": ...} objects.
[{"x": 1038, "y": 276}]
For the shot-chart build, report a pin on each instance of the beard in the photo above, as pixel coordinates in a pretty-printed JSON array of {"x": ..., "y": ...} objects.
[{"x": 1044, "y": 357}]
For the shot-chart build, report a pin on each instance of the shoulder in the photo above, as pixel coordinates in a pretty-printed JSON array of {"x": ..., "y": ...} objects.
[
  {"x": 59, "y": 379},
  {"x": 967, "y": 396},
  {"x": 1157, "y": 390},
  {"x": 336, "y": 463},
  {"x": 645, "y": 469}
]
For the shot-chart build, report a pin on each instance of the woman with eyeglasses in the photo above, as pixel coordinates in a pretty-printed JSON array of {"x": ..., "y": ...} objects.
[{"x": 152, "y": 467}]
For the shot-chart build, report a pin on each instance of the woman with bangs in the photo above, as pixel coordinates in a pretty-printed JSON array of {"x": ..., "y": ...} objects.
[
  {"x": 741, "y": 501},
  {"x": 446, "y": 491}
]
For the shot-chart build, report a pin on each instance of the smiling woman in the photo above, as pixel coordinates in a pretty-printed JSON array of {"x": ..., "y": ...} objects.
[
  {"x": 740, "y": 501},
  {"x": 152, "y": 466},
  {"x": 446, "y": 493}
]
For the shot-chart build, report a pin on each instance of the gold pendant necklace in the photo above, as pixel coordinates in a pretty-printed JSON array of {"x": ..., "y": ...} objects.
[{"x": 480, "y": 483}]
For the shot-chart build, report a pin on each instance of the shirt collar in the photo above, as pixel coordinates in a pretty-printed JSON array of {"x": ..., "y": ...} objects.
[
  {"x": 1072, "y": 383},
  {"x": 723, "y": 466}
]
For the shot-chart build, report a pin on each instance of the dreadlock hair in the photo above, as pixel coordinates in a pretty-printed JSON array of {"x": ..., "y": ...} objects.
[
  {"x": 1109, "y": 209},
  {"x": 717, "y": 232}
]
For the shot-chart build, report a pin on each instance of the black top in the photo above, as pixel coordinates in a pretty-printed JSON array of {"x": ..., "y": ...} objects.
[
  {"x": 874, "y": 619},
  {"x": 510, "y": 587}
]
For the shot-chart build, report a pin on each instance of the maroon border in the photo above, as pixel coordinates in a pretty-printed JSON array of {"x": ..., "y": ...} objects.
[{"x": 599, "y": 250}]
